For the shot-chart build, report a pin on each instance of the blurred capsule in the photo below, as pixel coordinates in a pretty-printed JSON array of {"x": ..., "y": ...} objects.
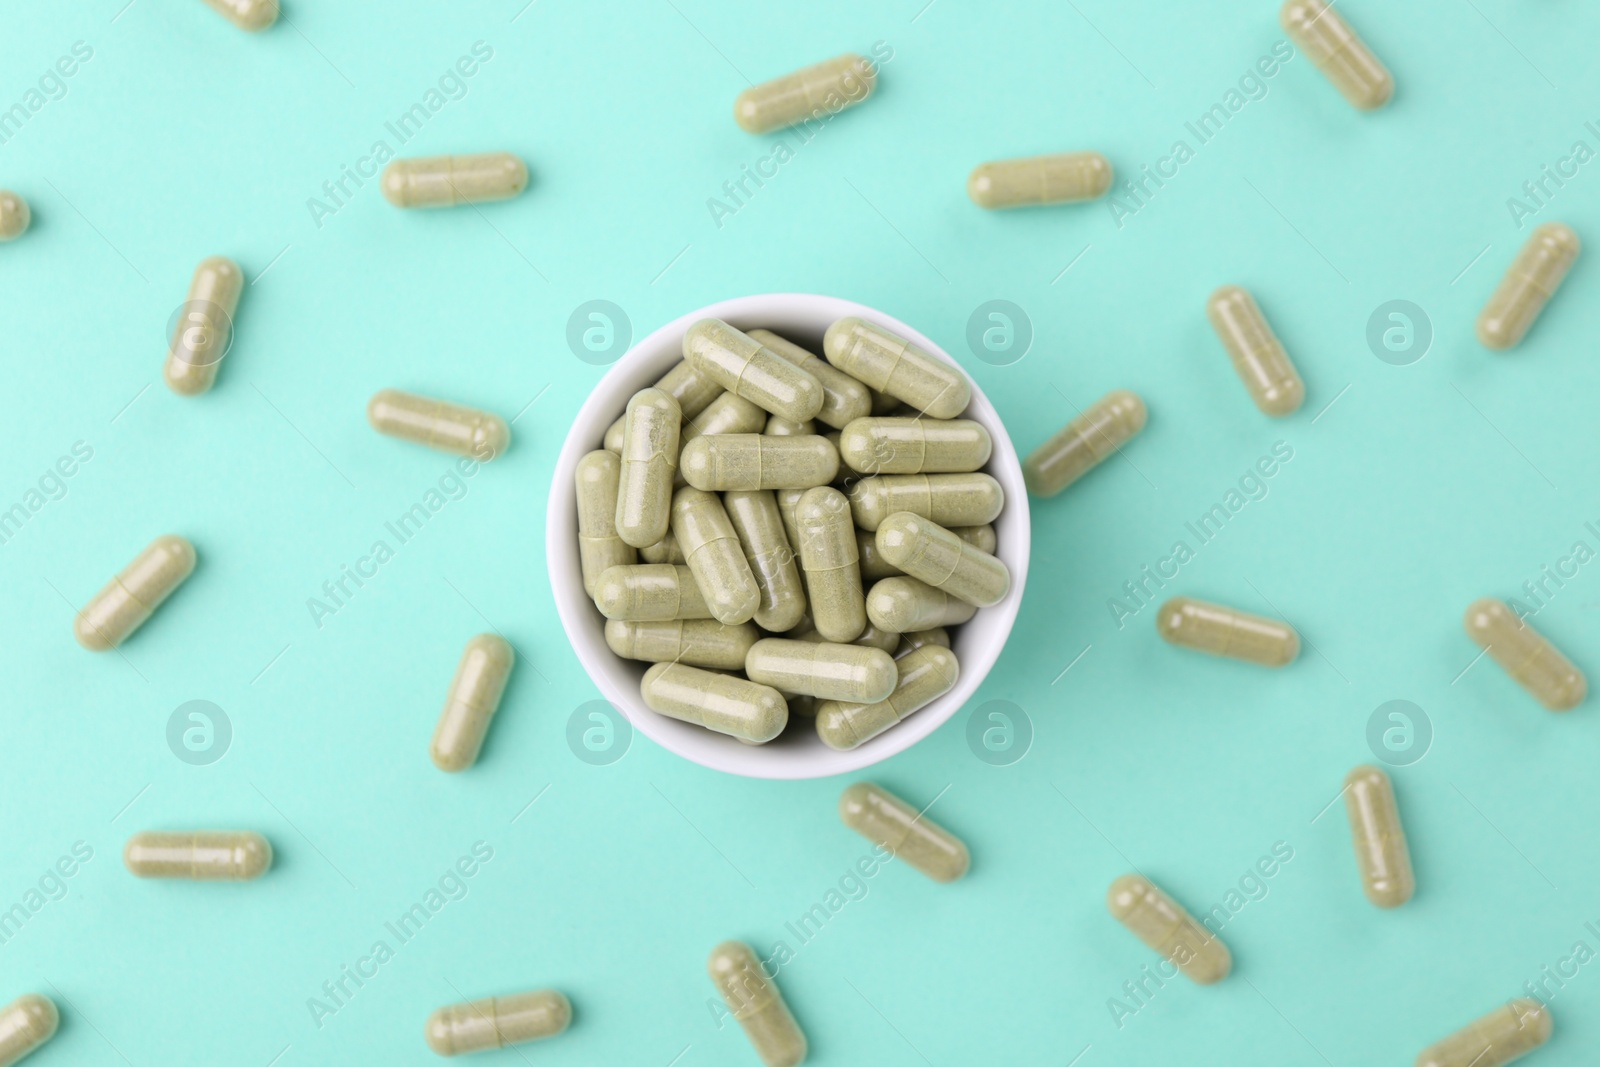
[
  {"x": 15, "y": 217},
  {"x": 1508, "y": 1033},
  {"x": 200, "y": 855},
  {"x": 25, "y": 1024},
  {"x": 496, "y": 1022},
  {"x": 1163, "y": 924},
  {"x": 445, "y": 181},
  {"x": 1105, "y": 426},
  {"x": 439, "y": 424},
  {"x": 251, "y": 15},
  {"x": 816, "y": 92},
  {"x": 204, "y": 329},
  {"x": 1380, "y": 841},
  {"x": 1055, "y": 179},
  {"x": 884, "y": 819},
  {"x": 1224, "y": 631},
  {"x": 1533, "y": 278},
  {"x": 1525, "y": 654},
  {"x": 132, "y": 596},
  {"x": 1258, "y": 356},
  {"x": 757, "y": 1005},
  {"x": 1322, "y": 34},
  {"x": 474, "y": 697}
]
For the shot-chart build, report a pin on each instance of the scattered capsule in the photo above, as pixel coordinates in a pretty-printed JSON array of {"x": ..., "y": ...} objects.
[
  {"x": 924, "y": 676},
  {"x": 1533, "y": 278},
  {"x": 822, "y": 669},
  {"x": 439, "y": 424},
  {"x": 1163, "y": 924},
  {"x": 715, "y": 556},
  {"x": 756, "y": 1003},
  {"x": 1380, "y": 840},
  {"x": 778, "y": 426},
  {"x": 744, "y": 367},
  {"x": 927, "y": 551},
  {"x": 815, "y": 92},
  {"x": 693, "y": 391},
  {"x": 204, "y": 330},
  {"x": 883, "y": 818},
  {"x": 598, "y": 476},
  {"x": 909, "y": 643},
  {"x": 201, "y": 855},
  {"x": 895, "y": 366},
  {"x": 755, "y": 461},
  {"x": 843, "y": 398},
  {"x": 474, "y": 697},
  {"x": 904, "y": 604},
  {"x": 915, "y": 446},
  {"x": 697, "y": 642},
  {"x": 445, "y": 181},
  {"x": 25, "y": 1024},
  {"x": 722, "y": 702},
  {"x": 1084, "y": 443},
  {"x": 756, "y": 521},
  {"x": 666, "y": 550},
  {"x": 496, "y": 1022},
  {"x": 1258, "y": 356},
  {"x": 873, "y": 565},
  {"x": 649, "y": 462},
  {"x": 948, "y": 499},
  {"x": 15, "y": 216},
  {"x": 251, "y": 15},
  {"x": 1508, "y": 1033},
  {"x": 1224, "y": 631},
  {"x": 650, "y": 592},
  {"x": 1323, "y": 35},
  {"x": 829, "y": 559},
  {"x": 1057, "y": 179},
  {"x": 130, "y": 598},
  {"x": 1525, "y": 654}
]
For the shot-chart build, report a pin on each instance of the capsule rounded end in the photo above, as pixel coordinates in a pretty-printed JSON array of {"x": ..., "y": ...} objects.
[
  {"x": 1496, "y": 331},
  {"x": 15, "y": 215},
  {"x": 1130, "y": 408},
  {"x": 1228, "y": 300},
  {"x": 728, "y": 960},
  {"x": 1366, "y": 775},
  {"x": 379, "y": 406},
  {"x": 897, "y": 536},
  {"x": 980, "y": 185},
  {"x": 1210, "y": 968},
  {"x": 39, "y": 1017},
  {"x": 439, "y": 1034},
  {"x": 853, "y": 803},
  {"x": 1572, "y": 690},
  {"x": 611, "y": 593},
  {"x": 747, "y": 113},
  {"x": 254, "y": 857},
  {"x": 833, "y": 729},
  {"x": 177, "y": 554},
  {"x": 698, "y": 464},
  {"x": 1297, "y": 16},
  {"x": 733, "y": 607},
  {"x": 1282, "y": 398},
  {"x": 1483, "y": 617},
  {"x": 188, "y": 379},
  {"x": 490, "y": 438},
  {"x": 91, "y": 636},
  {"x": 1560, "y": 239},
  {"x": 772, "y": 715},
  {"x": 1126, "y": 894},
  {"x": 1376, "y": 95},
  {"x": 838, "y": 339},
  {"x": 1534, "y": 1018},
  {"x": 655, "y": 398},
  {"x": 394, "y": 185},
  {"x": 258, "y": 16},
  {"x": 701, "y": 333},
  {"x": 1173, "y": 618},
  {"x": 1389, "y": 892}
]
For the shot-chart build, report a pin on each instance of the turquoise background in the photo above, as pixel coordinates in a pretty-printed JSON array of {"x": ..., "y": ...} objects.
[{"x": 1421, "y": 488}]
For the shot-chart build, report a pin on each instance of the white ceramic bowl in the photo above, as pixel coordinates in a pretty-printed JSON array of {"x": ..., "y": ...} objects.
[{"x": 799, "y": 753}]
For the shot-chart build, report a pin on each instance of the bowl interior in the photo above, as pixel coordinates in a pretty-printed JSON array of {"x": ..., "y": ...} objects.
[{"x": 798, "y": 753}]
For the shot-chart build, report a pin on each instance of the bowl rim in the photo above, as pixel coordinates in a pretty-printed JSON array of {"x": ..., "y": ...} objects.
[{"x": 984, "y": 636}]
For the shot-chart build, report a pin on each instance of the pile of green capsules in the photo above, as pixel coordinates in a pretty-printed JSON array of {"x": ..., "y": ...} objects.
[{"x": 731, "y": 544}]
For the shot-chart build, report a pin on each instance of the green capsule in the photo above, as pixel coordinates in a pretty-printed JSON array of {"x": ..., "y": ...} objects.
[
  {"x": 950, "y": 500},
  {"x": 496, "y": 1022},
  {"x": 199, "y": 855},
  {"x": 1258, "y": 356},
  {"x": 14, "y": 216},
  {"x": 1321, "y": 34},
  {"x": 1507, "y": 1033},
  {"x": 777, "y": 426},
  {"x": 445, "y": 181},
  {"x": 649, "y": 464},
  {"x": 598, "y": 476},
  {"x": 1163, "y": 924},
  {"x": 915, "y": 446},
  {"x": 755, "y": 461},
  {"x": 746, "y": 368},
  {"x": 697, "y": 642},
  {"x": 1525, "y": 654},
  {"x": 903, "y": 605},
  {"x": 759, "y": 527},
  {"x": 25, "y": 1024},
  {"x": 474, "y": 697},
  {"x": 724, "y": 415},
  {"x": 249, "y": 15},
  {"x": 828, "y": 558},
  {"x": 843, "y": 398},
  {"x": 1084, "y": 443},
  {"x": 909, "y": 643},
  {"x": 721, "y": 702},
  {"x": 883, "y": 818},
  {"x": 875, "y": 356},
  {"x": 439, "y": 424},
  {"x": 822, "y": 669},
  {"x": 1225, "y": 631},
  {"x": 1056, "y": 179},
  {"x": 204, "y": 330},
  {"x": 693, "y": 391},
  {"x": 814, "y": 93},
  {"x": 925, "y": 550},
  {"x": 1533, "y": 278},
  {"x": 649, "y": 592},
  {"x": 924, "y": 676},
  {"x": 715, "y": 556},
  {"x": 756, "y": 1003}
]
